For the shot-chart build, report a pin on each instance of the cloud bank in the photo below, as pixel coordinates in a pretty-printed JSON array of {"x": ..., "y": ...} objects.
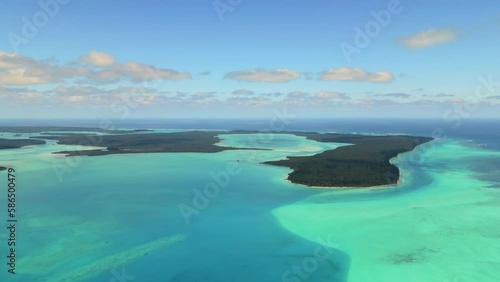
[
  {"x": 356, "y": 74},
  {"x": 16, "y": 69},
  {"x": 264, "y": 75}
]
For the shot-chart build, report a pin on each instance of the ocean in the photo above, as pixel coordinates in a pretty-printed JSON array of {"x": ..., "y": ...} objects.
[{"x": 227, "y": 217}]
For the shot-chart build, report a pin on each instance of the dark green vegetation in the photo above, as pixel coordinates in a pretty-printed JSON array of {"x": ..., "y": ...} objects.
[
  {"x": 65, "y": 133},
  {"x": 39, "y": 129},
  {"x": 193, "y": 141},
  {"x": 365, "y": 163},
  {"x": 18, "y": 143}
]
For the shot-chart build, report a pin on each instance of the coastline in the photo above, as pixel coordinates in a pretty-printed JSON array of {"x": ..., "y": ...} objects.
[{"x": 377, "y": 187}]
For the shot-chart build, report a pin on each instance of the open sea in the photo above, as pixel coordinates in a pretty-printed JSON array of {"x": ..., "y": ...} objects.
[{"x": 226, "y": 217}]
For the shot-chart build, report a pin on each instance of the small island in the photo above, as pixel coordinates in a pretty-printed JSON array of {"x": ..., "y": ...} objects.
[{"x": 363, "y": 162}]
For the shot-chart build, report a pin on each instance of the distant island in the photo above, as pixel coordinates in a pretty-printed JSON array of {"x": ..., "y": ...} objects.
[
  {"x": 365, "y": 162},
  {"x": 40, "y": 129}
]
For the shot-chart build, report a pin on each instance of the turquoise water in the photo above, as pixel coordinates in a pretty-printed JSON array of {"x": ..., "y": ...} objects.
[{"x": 92, "y": 218}]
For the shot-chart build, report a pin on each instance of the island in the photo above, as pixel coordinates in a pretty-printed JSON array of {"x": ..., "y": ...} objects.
[{"x": 364, "y": 161}]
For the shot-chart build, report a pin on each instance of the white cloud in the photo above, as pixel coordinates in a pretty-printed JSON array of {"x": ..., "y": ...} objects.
[
  {"x": 322, "y": 98},
  {"x": 394, "y": 95},
  {"x": 356, "y": 74},
  {"x": 203, "y": 95},
  {"x": 297, "y": 95},
  {"x": 16, "y": 69},
  {"x": 330, "y": 95},
  {"x": 20, "y": 95},
  {"x": 243, "y": 92},
  {"x": 137, "y": 72},
  {"x": 273, "y": 94},
  {"x": 429, "y": 38},
  {"x": 76, "y": 90},
  {"x": 99, "y": 59},
  {"x": 444, "y": 95},
  {"x": 76, "y": 99},
  {"x": 264, "y": 75},
  {"x": 248, "y": 101},
  {"x": 321, "y": 103}
]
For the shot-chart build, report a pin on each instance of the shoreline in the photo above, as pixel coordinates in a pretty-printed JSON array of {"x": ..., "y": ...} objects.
[{"x": 377, "y": 187}]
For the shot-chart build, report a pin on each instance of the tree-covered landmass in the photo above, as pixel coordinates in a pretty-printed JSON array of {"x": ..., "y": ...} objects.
[
  {"x": 18, "y": 143},
  {"x": 40, "y": 129},
  {"x": 365, "y": 163},
  {"x": 185, "y": 142}
]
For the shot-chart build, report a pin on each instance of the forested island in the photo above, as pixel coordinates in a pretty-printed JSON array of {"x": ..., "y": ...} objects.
[{"x": 365, "y": 162}]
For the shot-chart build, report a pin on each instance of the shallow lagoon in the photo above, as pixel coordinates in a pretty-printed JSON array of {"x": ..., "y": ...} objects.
[{"x": 92, "y": 218}]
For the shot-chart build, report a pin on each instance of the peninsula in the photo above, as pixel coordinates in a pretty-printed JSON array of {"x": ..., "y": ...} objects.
[{"x": 365, "y": 163}]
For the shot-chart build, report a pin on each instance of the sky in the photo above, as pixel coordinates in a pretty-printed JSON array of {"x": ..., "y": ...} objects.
[{"x": 241, "y": 59}]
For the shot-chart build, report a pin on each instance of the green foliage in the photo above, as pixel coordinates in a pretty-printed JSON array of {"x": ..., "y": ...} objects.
[
  {"x": 18, "y": 143},
  {"x": 193, "y": 141},
  {"x": 364, "y": 163}
]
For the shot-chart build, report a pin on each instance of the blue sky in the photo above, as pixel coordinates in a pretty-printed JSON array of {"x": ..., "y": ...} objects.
[{"x": 230, "y": 58}]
